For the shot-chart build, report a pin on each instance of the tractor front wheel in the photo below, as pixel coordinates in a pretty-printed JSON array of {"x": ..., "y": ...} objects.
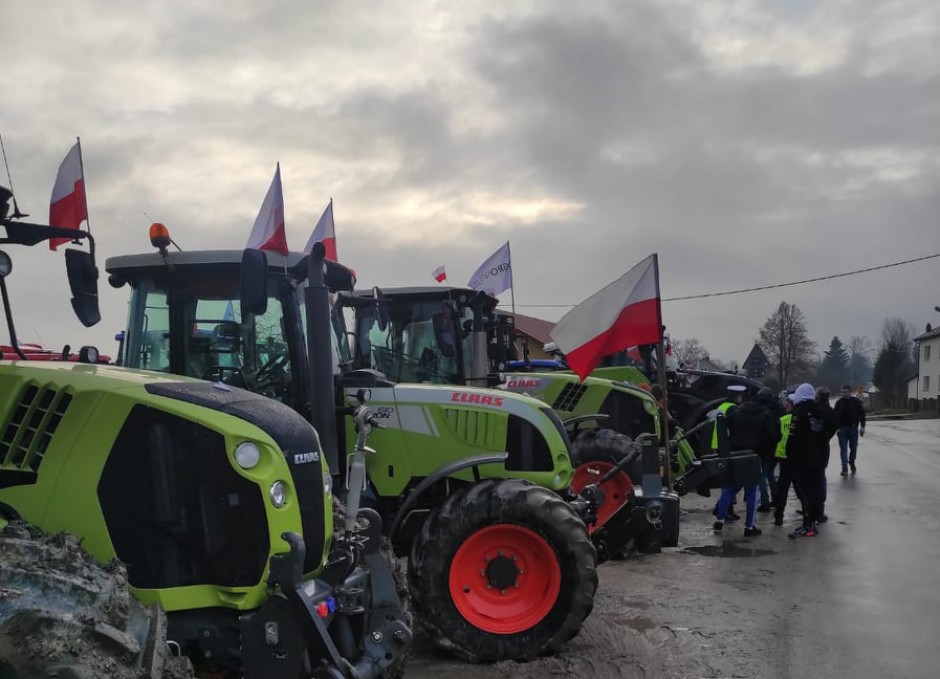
[
  {"x": 594, "y": 453},
  {"x": 502, "y": 570}
]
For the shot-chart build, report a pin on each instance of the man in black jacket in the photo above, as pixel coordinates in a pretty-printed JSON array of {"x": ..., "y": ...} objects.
[
  {"x": 850, "y": 416},
  {"x": 751, "y": 427},
  {"x": 767, "y": 452}
]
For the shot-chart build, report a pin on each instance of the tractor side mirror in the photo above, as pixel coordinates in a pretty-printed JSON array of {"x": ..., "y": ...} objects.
[
  {"x": 83, "y": 282},
  {"x": 338, "y": 277},
  {"x": 253, "y": 284},
  {"x": 381, "y": 309}
]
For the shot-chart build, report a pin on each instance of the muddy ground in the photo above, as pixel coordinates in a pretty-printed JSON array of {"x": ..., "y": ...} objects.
[{"x": 860, "y": 600}]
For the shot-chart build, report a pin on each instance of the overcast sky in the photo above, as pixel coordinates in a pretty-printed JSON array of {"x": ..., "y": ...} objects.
[{"x": 747, "y": 142}]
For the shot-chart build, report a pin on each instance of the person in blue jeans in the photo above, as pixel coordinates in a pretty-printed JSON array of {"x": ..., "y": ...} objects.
[
  {"x": 751, "y": 426},
  {"x": 850, "y": 418}
]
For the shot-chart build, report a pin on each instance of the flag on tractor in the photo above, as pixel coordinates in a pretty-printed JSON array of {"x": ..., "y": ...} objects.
[
  {"x": 268, "y": 232},
  {"x": 68, "y": 207},
  {"x": 324, "y": 232},
  {"x": 439, "y": 274},
  {"x": 623, "y": 314},
  {"x": 495, "y": 274}
]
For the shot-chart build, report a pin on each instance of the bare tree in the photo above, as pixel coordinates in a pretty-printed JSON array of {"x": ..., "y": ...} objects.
[
  {"x": 785, "y": 341},
  {"x": 860, "y": 366},
  {"x": 895, "y": 362},
  {"x": 859, "y": 345},
  {"x": 897, "y": 333},
  {"x": 689, "y": 352}
]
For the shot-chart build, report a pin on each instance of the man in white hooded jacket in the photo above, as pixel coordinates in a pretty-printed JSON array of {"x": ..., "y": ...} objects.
[{"x": 805, "y": 457}]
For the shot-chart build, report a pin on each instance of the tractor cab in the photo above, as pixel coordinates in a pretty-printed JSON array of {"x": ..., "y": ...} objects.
[
  {"x": 416, "y": 334},
  {"x": 206, "y": 335}
]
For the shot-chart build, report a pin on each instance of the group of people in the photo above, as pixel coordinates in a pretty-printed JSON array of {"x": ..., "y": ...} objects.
[{"x": 791, "y": 436}]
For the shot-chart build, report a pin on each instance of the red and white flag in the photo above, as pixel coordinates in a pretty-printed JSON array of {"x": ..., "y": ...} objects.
[
  {"x": 269, "y": 232},
  {"x": 625, "y": 313},
  {"x": 68, "y": 207},
  {"x": 324, "y": 232},
  {"x": 439, "y": 274}
]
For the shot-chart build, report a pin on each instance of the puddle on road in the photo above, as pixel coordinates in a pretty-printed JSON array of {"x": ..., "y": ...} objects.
[{"x": 728, "y": 550}]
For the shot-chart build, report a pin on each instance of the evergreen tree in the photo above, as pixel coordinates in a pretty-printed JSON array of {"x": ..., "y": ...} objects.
[{"x": 834, "y": 369}]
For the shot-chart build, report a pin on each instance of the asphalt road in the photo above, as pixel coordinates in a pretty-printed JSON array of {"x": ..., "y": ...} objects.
[{"x": 861, "y": 600}]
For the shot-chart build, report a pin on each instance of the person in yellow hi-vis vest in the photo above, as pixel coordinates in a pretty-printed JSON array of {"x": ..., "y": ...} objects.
[
  {"x": 785, "y": 477},
  {"x": 733, "y": 399}
]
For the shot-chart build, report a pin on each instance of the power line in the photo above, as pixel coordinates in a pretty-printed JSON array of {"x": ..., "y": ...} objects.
[{"x": 770, "y": 287}]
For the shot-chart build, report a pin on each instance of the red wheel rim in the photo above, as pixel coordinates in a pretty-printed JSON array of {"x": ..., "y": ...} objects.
[
  {"x": 616, "y": 491},
  {"x": 504, "y": 579}
]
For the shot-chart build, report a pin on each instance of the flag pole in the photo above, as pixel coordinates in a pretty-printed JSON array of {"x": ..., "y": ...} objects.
[
  {"x": 81, "y": 164},
  {"x": 661, "y": 375},
  {"x": 512, "y": 284},
  {"x": 333, "y": 220}
]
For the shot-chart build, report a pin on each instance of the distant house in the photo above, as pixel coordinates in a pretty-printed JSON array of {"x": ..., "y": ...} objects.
[
  {"x": 535, "y": 332},
  {"x": 755, "y": 365}
]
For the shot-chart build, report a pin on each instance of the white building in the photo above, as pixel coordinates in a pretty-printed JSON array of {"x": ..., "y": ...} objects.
[{"x": 927, "y": 384}]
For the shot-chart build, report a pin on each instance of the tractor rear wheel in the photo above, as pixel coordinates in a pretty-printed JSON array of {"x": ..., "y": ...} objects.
[
  {"x": 594, "y": 453},
  {"x": 502, "y": 570},
  {"x": 64, "y": 615}
]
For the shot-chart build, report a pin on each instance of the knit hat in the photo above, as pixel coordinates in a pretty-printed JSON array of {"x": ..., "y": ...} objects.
[{"x": 804, "y": 392}]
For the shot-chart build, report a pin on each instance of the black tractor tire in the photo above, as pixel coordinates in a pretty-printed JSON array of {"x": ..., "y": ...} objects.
[
  {"x": 592, "y": 455},
  {"x": 64, "y": 615},
  {"x": 593, "y": 445},
  {"x": 477, "y": 545}
]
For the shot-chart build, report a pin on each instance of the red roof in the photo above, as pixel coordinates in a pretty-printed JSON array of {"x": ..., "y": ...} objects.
[{"x": 536, "y": 328}]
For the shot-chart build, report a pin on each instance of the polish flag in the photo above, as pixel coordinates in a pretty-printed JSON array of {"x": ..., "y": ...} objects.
[
  {"x": 625, "y": 313},
  {"x": 269, "y": 233},
  {"x": 68, "y": 206},
  {"x": 439, "y": 274},
  {"x": 324, "y": 232}
]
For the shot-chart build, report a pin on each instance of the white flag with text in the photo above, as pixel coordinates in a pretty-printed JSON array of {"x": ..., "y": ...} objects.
[{"x": 495, "y": 274}]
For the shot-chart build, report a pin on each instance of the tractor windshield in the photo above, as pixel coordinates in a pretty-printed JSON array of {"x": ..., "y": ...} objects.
[
  {"x": 206, "y": 336},
  {"x": 413, "y": 341}
]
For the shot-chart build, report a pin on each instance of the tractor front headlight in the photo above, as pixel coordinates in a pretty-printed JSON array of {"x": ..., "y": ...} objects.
[
  {"x": 278, "y": 494},
  {"x": 247, "y": 455},
  {"x": 328, "y": 483}
]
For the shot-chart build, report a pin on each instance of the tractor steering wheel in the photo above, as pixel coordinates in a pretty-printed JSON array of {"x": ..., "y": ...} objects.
[
  {"x": 232, "y": 375},
  {"x": 268, "y": 368}
]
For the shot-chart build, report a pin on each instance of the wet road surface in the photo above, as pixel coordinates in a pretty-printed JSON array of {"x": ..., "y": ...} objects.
[{"x": 861, "y": 600}]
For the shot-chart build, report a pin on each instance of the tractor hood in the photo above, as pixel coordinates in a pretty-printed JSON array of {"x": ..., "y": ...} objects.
[{"x": 93, "y": 376}]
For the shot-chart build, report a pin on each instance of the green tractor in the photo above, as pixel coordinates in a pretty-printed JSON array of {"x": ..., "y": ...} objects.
[
  {"x": 472, "y": 484},
  {"x": 452, "y": 335},
  {"x": 218, "y": 502}
]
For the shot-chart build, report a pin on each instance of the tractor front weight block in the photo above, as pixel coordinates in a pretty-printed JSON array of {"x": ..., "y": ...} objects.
[
  {"x": 300, "y": 615},
  {"x": 648, "y": 522}
]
